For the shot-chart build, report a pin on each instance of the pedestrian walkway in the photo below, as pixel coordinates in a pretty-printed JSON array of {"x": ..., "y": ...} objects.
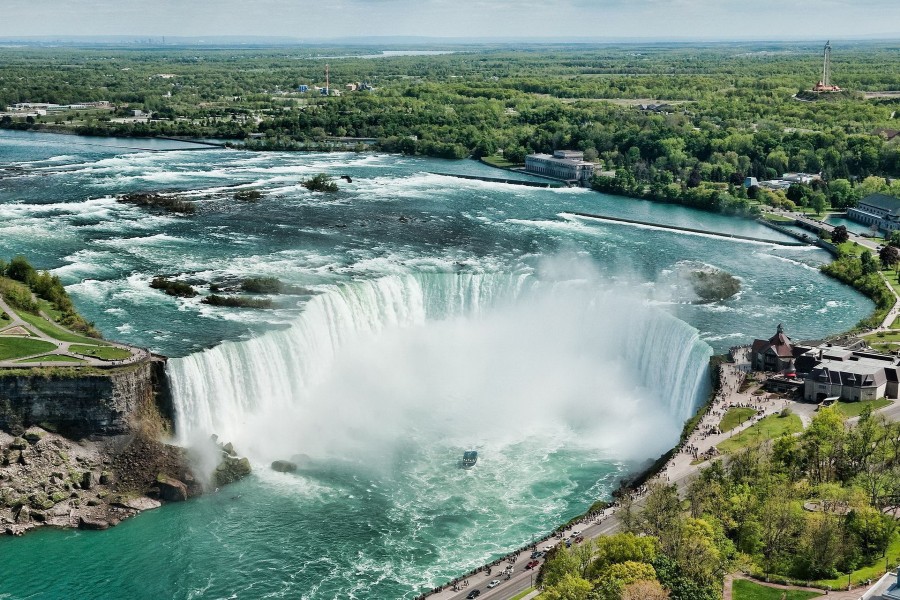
[{"x": 18, "y": 328}]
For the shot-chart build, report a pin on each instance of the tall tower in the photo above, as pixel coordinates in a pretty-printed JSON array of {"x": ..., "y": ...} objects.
[
  {"x": 826, "y": 68},
  {"x": 327, "y": 81}
]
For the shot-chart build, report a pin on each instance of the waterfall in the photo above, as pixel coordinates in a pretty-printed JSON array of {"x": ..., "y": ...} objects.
[{"x": 508, "y": 326}]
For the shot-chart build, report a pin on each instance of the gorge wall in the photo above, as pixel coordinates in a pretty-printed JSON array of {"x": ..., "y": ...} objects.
[{"x": 78, "y": 404}]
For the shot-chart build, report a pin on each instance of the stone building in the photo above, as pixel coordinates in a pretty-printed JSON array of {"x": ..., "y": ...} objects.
[
  {"x": 879, "y": 210},
  {"x": 568, "y": 165}
]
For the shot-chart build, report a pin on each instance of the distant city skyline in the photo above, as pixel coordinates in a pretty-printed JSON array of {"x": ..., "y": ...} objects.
[{"x": 305, "y": 20}]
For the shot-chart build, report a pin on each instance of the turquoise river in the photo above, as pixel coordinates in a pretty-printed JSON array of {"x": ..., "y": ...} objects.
[{"x": 427, "y": 315}]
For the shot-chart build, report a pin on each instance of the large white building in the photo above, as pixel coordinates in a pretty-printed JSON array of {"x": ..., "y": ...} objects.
[
  {"x": 877, "y": 210},
  {"x": 568, "y": 165}
]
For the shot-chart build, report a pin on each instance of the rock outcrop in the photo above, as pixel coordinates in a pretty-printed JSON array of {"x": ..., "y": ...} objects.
[{"x": 284, "y": 466}]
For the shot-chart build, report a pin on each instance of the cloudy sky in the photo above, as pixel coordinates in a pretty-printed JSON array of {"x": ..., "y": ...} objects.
[{"x": 309, "y": 19}]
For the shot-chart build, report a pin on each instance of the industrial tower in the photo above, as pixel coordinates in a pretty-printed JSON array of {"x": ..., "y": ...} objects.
[{"x": 824, "y": 84}]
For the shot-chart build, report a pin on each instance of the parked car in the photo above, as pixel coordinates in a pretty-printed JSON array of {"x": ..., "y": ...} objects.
[{"x": 493, "y": 584}]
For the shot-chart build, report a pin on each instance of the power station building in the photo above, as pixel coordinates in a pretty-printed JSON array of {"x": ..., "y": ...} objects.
[
  {"x": 879, "y": 210},
  {"x": 567, "y": 165}
]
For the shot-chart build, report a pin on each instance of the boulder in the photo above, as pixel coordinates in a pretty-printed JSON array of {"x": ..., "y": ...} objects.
[
  {"x": 171, "y": 489},
  {"x": 284, "y": 466},
  {"x": 105, "y": 478},
  {"x": 18, "y": 444},
  {"x": 33, "y": 436},
  {"x": 87, "y": 480},
  {"x": 231, "y": 469},
  {"x": 229, "y": 449},
  {"x": 142, "y": 503},
  {"x": 96, "y": 524}
]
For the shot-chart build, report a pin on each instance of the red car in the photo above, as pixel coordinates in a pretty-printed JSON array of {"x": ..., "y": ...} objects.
[{"x": 532, "y": 564}]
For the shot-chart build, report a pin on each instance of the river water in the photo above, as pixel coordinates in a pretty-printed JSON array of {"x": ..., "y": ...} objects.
[{"x": 428, "y": 315}]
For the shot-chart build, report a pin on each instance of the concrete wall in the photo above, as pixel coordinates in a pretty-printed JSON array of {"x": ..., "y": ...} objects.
[{"x": 79, "y": 406}]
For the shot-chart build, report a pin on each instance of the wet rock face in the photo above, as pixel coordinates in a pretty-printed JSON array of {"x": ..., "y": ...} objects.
[
  {"x": 284, "y": 466},
  {"x": 231, "y": 469},
  {"x": 171, "y": 489}
]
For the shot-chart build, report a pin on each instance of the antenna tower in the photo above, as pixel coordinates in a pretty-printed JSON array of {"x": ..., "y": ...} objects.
[
  {"x": 826, "y": 68},
  {"x": 327, "y": 81}
]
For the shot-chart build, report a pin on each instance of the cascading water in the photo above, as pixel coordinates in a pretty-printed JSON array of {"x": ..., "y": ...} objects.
[{"x": 432, "y": 356}]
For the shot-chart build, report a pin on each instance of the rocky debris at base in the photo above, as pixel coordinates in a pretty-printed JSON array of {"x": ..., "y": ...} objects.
[{"x": 47, "y": 479}]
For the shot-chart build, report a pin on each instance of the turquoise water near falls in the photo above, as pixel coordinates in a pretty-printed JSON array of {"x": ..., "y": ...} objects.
[{"x": 431, "y": 315}]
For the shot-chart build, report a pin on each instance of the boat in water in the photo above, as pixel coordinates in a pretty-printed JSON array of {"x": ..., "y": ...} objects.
[{"x": 470, "y": 457}]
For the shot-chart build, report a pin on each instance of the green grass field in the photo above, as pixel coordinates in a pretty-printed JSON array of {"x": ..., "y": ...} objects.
[
  {"x": 778, "y": 219},
  {"x": 522, "y": 594},
  {"x": 14, "y": 347},
  {"x": 852, "y": 248},
  {"x": 53, "y": 358},
  {"x": 734, "y": 417},
  {"x": 769, "y": 428},
  {"x": 101, "y": 352},
  {"x": 4, "y": 320},
  {"x": 55, "y": 331},
  {"x": 853, "y": 409},
  {"x": 498, "y": 161},
  {"x": 741, "y": 589}
]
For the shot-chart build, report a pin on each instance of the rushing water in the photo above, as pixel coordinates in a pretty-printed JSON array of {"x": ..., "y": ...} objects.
[{"x": 428, "y": 315}]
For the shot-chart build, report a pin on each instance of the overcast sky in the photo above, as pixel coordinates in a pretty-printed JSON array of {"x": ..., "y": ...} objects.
[{"x": 309, "y": 19}]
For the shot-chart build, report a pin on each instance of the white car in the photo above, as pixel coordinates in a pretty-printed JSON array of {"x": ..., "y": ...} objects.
[{"x": 493, "y": 583}]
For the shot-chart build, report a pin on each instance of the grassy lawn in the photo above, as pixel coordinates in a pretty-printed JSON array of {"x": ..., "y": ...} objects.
[
  {"x": 778, "y": 219},
  {"x": 891, "y": 276},
  {"x": 853, "y": 409},
  {"x": 55, "y": 331},
  {"x": 873, "y": 571},
  {"x": 769, "y": 428},
  {"x": 498, "y": 161},
  {"x": 896, "y": 323},
  {"x": 734, "y": 417},
  {"x": 522, "y": 594},
  {"x": 741, "y": 589},
  {"x": 11, "y": 347},
  {"x": 49, "y": 309},
  {"x": 4, "y": 320},
  {"x": 852, "y": 248},
  {"x": 883, "y": 336},
  {"x": 53, "y": 358},
  {"x": 101, "y": 352}
]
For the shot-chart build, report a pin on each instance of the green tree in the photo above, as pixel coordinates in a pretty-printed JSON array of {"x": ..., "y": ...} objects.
[
  {"x": 867, "y": 262},
  {"x": 569, "y": 587},
  {"x": 560, "y": 562},
  {"x": 818, "y": 202}
]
